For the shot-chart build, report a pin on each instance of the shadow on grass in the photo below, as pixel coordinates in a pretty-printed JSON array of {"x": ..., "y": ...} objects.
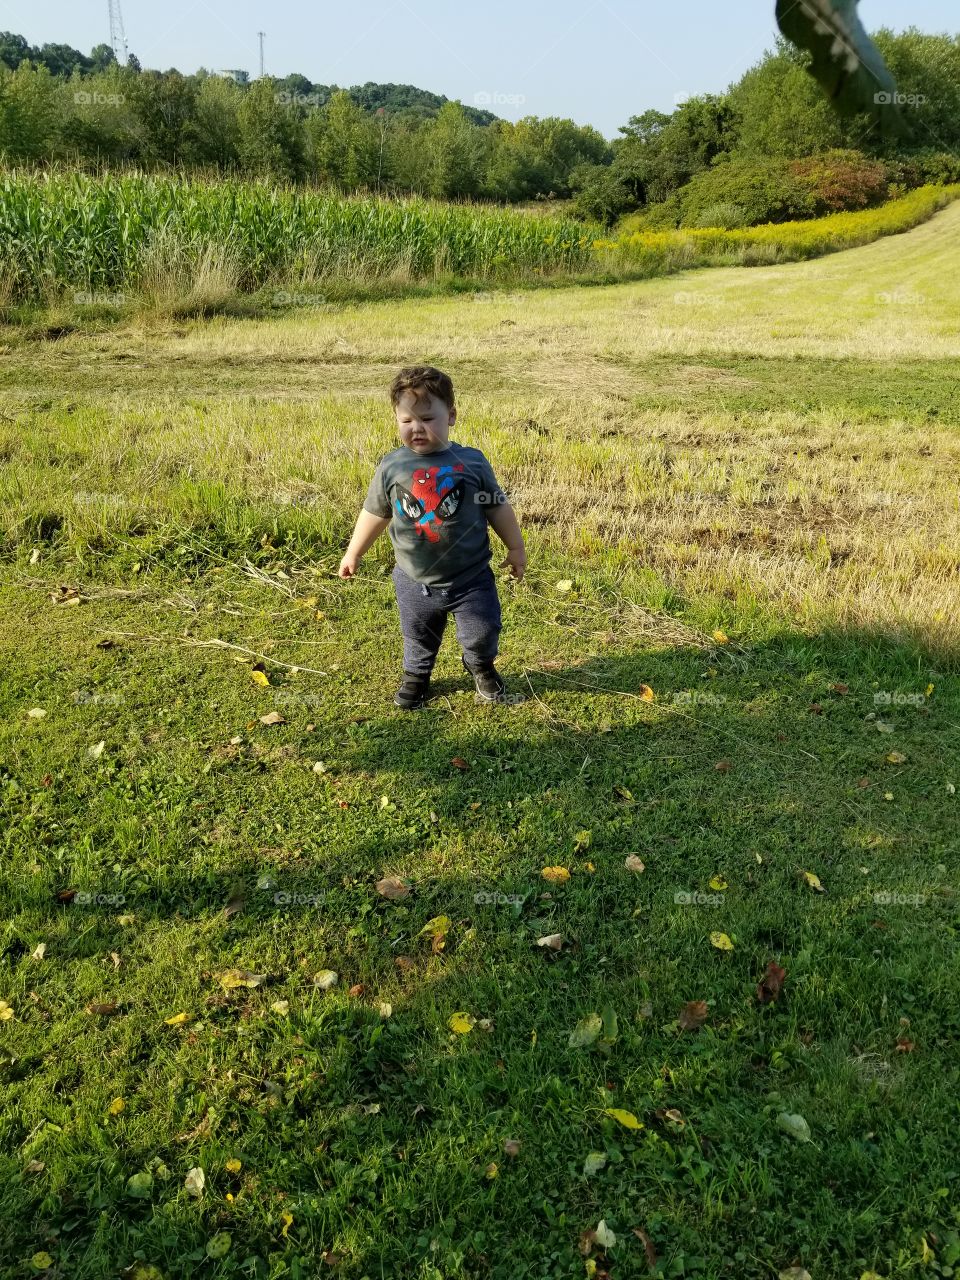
[{"x": 748, "y": 769}]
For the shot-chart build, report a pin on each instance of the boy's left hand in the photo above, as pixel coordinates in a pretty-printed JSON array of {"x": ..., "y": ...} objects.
[{"x": 516, "y": 558}]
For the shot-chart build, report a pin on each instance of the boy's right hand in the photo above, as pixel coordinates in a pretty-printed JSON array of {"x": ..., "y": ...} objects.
[{"x": 348, "y": 566}]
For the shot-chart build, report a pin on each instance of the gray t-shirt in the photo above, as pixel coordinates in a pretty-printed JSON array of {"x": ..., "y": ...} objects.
[{"x": 440, "y": 503}]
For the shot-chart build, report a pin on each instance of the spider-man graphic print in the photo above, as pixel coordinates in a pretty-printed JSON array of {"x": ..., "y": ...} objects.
[
  {"x": 434, "y": 495},
  {"x": 419, "y": 494}
]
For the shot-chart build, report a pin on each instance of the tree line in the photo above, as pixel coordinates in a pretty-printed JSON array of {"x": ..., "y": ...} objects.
[{"x": 57, "y": 104}]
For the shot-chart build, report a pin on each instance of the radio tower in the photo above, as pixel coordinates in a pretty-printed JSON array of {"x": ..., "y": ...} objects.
[
  {"x": 261, "y": 34},
  {"x": 117, "y": 37}
]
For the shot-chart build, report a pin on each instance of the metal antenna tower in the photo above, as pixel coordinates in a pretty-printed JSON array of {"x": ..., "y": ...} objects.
[
  {"x": 117, "y": 37},
  {"x": 261, "y": 34}
]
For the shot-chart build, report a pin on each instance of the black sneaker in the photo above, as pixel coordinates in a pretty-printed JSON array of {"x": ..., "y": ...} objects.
[
  {"x": 412, "y": 694},
  {"x": 490, "y": 687}
]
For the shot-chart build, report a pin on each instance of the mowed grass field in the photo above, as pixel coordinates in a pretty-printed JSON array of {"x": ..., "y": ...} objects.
[{"x": 746, "y": 482}]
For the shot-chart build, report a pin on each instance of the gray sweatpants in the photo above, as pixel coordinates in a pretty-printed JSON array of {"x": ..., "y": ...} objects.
[{"x": 423, "y": 619}]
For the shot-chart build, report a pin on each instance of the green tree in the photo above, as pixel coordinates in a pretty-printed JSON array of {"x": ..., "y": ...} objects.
[
  {"x": 14, "y": 50},
  {"x": 215, "y": 135},
  {"x": 102, "y": 57},
  {"x": 927, "y": 71},
  {"x": 271, "y": 138},
  {"x": 455, "y": 153},
  {"x": 780, "y": 111},
  {"x": 62, "y": 59},
  {"x": 536, "y": 157},
  {"x": 164, "y": 107},
  {"x": 344, "y": 144},
  {"x": 658, "y": 153},
  {"x": 99, "y": 121},
  {"x": 29, "y": 113}
]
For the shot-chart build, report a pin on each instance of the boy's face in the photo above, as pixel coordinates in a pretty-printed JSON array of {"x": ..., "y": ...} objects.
[{"x": 424, "y": 421}]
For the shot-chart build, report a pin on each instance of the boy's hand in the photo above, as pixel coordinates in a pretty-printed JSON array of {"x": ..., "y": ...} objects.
[
  {"x": 516, "y": 558},
  {"x": 348, "y": 566}
]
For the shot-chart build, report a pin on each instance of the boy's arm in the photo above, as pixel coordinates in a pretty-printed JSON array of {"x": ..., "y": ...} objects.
[
  {"x": 507, "y": 528},
  {"x": 365, "y": 533}
]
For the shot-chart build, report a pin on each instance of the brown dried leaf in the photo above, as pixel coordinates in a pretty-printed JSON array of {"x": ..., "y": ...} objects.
[
  {"x": 693, "y": 1015},
  {"x": 106, "y": 1010},
  {"x": 392, "y": 887},
  {"x": 648, "y": 1248},
  {"x": 770, "y": 985}
]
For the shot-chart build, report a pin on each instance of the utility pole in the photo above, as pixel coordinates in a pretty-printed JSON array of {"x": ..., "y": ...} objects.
[
  {"x": 261, "y": 34},
  {"x": 118, "y": 38}
]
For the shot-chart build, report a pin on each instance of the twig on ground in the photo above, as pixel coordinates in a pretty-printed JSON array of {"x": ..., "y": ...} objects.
[{"x": 220, "y": 644}]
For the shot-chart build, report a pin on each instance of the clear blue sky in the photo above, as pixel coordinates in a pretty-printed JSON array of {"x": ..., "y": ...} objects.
[{"x": 596, "y": 61}]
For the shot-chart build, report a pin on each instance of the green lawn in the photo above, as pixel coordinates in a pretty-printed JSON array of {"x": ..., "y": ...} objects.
[{"x": 755, "y": 501}]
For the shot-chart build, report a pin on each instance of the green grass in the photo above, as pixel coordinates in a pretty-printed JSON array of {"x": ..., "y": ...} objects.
[{"x": 779, "y": 466}]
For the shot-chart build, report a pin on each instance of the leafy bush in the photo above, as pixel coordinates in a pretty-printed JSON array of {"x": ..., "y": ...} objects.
[
  {"x": 743, "y": 192},
  {"x": 765, "y": 191},
  {"x": 916, "y": 170},
  {"x": 600, "y": 193},
  {"x": 842, "y": 180}
]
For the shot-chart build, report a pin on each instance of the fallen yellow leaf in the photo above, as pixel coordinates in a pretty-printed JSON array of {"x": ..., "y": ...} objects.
[
  {"x": 556, "y": 875},
  {"x": 721, "y": 941},
  {"x": 261, "y": 678},
  {"x": 461, "y": 1023},
  {"x": 178, "y": 1019},
  {"x": 115, "y": 1107},
  {"x": 230, "y": 979},
  {"x": 436, "y": 928},
  {"x": 626, "y": 1118}
]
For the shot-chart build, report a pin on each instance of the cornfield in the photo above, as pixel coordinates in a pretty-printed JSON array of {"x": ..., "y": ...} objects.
[
  {"x": 75, "y": 231},
  {"x": 193, "y": 238}
]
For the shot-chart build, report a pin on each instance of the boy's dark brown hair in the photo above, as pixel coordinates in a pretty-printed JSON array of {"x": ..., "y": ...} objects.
[{"x": 420, "y": 378}]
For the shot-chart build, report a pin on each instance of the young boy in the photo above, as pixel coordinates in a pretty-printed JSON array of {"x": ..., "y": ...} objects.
[{"x": 437, "y": 498}]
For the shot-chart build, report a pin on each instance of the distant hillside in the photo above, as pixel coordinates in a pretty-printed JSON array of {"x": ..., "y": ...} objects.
[
  {"x": 400, "y": 99},
  {"x": 408, "y": 98}
]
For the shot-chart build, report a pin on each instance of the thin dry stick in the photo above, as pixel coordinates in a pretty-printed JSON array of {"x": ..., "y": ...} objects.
[{"x": 220, "y": 644}]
